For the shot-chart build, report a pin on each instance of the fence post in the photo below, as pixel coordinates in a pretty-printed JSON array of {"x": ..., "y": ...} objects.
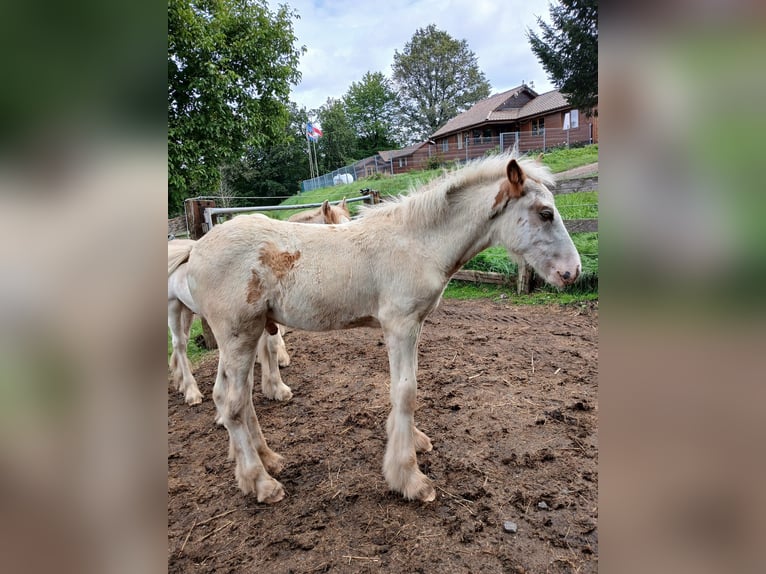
[
  {"x": 197, "y": 211},
  {"x": 207, "y": 335},
  {"x": 523, "y": 278}
]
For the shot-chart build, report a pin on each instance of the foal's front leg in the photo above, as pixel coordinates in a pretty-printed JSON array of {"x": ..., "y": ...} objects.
[{"x": 400, "y": 465}]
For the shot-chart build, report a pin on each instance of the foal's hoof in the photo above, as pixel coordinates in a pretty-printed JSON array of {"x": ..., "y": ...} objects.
[
  {"x": 282, "y": 393},
  {"x": 427, "y": 493},
  {"x": 270, "y": 491},
  {"x": 272, "y": 462},
  {"x": 422, "y": 442},
  {"x": 417, "y": 487}
]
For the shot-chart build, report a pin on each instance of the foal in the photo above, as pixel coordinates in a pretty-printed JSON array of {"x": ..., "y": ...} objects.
[{"x": 252, "y": 272}]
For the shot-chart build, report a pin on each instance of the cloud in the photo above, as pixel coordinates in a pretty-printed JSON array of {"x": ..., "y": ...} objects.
[{"x": 346, "y": 39}]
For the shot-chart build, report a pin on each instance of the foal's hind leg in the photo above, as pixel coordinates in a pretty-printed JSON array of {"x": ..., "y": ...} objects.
[
  {"x": 179, "y": 320},
  {"x": 233, "y": 396},
  {"x": 271, "y": 381},
  {"x": 283, "y": 357}
]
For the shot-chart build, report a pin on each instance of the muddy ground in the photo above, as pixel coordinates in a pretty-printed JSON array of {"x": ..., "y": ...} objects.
[{"x": 508, "y": 396}]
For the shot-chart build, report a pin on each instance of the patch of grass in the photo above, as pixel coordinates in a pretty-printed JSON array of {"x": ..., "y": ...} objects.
[
  {"x": 581, "y": 205},
  {"x": 193, "y": 351},
  {"x": 564, "y": 159},
  {"x": 542, "y": 296}
]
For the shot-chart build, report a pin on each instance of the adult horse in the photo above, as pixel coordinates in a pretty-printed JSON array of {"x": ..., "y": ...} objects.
[
  {"x": 181, "y": 310},
  {"x": 251, "y": 272}
]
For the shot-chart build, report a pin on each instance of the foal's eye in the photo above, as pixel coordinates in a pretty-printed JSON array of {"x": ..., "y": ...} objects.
[{"x": 546, "y": 215}]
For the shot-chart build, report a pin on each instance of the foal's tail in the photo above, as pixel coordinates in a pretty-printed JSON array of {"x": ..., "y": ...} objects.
[{"x": 178, "y": 253}]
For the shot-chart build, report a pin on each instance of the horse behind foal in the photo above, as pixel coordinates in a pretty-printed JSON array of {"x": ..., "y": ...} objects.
[
  {"x": 252, "y": 272},
  {"x": 181, "y": 310}
]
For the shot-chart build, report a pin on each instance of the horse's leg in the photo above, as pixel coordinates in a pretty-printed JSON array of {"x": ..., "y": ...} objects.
[
  {"x": 179, "y": 320},
  {"x": 233, "y": 396},
  {"x": 400, "y": 465},
  {"x": 271, "y": 381},
  {"x": 277, "y": 342},
  {"x": 283, "y": 358}
]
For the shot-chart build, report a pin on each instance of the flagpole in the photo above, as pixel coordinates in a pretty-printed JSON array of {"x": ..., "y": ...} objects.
[
  {"x": 316, "y": 162},
  {"x": 308, "y": 146}
]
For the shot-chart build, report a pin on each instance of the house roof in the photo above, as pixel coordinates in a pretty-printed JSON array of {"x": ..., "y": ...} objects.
[
  {"x": 500, "y": 107},
  {"x": 397, "y": 153}
]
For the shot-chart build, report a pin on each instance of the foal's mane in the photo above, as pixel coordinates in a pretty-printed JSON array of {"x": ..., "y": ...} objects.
[{"x": 428, "y": 203}]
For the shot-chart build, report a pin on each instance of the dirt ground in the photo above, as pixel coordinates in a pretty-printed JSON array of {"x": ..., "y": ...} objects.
[{"x": 508, "y": 396}]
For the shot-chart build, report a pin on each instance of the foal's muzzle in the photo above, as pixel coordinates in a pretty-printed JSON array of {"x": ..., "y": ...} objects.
[{"x": 567, "y": 277}]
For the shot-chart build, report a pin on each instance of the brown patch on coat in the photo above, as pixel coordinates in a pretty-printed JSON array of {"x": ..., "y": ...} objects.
[
  {"x": 254, "y": 288},
  {"x": 280, "y": 262}
]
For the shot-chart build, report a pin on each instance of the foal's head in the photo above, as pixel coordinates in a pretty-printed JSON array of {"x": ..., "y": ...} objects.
[
  {"x": 334, "y": 214},
  {"x": 530, "y": 226},
  {"x": 326, "y": 213}
]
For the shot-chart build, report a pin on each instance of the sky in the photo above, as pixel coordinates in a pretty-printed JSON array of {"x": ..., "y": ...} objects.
[{"x": 344, "y": 39}]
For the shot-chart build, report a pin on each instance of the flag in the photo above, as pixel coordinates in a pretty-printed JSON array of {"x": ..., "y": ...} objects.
[{"x": 313, "y": 132}]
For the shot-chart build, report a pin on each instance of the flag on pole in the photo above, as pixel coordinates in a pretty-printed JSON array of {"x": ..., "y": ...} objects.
[{"x": 313, "y": 132}]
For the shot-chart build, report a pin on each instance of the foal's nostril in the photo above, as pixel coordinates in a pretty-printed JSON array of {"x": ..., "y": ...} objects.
[{"x": 566, "y": 275}]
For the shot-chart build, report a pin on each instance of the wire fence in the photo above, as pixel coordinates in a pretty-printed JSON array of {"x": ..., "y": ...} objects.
[{"x": 456, "y": 150}]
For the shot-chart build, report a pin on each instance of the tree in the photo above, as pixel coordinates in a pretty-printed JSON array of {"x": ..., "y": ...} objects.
[
  {"x": 438, "y": 77},
  {"x": 337, "y": 147},
  {"x": 372, "y": 107},
  {"x": 568, "y": 50},
  {"x": 230, "y": 66},
  {"x": 275, "y": 170}
]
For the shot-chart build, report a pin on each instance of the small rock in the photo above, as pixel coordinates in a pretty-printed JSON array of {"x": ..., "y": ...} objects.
[
  {"x": 542, "y": 505},
  {"x": 509, "y": 526}
]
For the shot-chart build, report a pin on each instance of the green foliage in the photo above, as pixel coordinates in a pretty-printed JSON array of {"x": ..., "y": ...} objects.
[
  {"x": 372, "y": 107},
  {"x": 230, "y": 66},
  {"x": 276, "y": 170},
  {"x": 438, "y": 78},
  {"x": 193, "y": 350},
  {"x": 568, "y": 50},
  {"x": 337, "y": 147}
]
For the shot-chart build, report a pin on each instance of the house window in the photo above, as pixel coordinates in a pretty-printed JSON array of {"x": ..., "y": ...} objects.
[
  {"x": 445, "y": 144},
  {"x": 459, "y": 141},
  {"x": 402, "y": 161},
  {"x": 538, "y": 126}
]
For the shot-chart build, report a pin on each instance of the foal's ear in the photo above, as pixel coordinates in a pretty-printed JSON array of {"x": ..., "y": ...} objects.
[
  {"x": 326, "y": 210},
  {"x": 511, "y": 188},
  {"x": 516, "y": 178}
]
